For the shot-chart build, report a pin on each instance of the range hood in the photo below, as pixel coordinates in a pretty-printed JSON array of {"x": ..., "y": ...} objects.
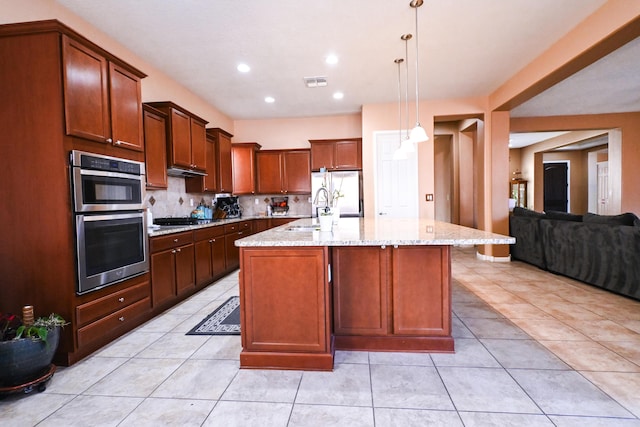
[{"x": 174, "y": 171}]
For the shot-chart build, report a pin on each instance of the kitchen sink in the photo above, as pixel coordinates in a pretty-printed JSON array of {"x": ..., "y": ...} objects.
[{"x": 312, "y": 227}]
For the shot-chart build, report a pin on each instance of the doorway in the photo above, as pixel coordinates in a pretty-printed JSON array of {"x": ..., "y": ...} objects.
[
  {"x": 443, "y": 172},
  {"x": 556, "y": 187},
  {"x": 396, "y": 180}
]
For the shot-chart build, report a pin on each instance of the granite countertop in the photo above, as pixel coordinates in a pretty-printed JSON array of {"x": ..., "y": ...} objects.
[
  {"x": 373, "y": 232},
  {"x": 164, "y": 230}
]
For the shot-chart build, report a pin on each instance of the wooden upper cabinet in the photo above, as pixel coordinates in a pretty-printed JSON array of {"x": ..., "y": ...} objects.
[
  {"x": 126, "y": 108},
  {"x": 283, "y": 171},
  {"x": 297, "y": 171},
  {"x": 209, "y": 182},
  {"x": 86, "y": 92},
  {"x": 336, "y": 154},
  {"x": 186, "y": 137},
  {"x": 223, "y": 159},
  {"x": 198, "y": 144},
  {"x": 243, "y": 156},
  {"x": 155, "y": 141},
  {"x": 269, "y": 172},
  {"x": 102, "y": 99}
]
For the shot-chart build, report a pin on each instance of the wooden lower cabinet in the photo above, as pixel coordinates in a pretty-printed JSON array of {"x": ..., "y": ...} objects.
[
  {"x": 172, "y": 267},
  {"x": 392, "y": 298},
  {"x": 285, "y": 308},
  {"x": 209, "y": 248}
]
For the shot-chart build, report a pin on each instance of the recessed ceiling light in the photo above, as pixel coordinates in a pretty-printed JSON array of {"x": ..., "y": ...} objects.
[
  {"x": 331, "y": 59},
  {"x": 338, "y": 95},
  {"x": 269, "y": 99},
  {"x": 244, "y": 68}
]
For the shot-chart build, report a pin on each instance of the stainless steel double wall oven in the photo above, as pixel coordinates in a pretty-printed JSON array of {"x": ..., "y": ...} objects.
[{"x": 110, "y": 221}]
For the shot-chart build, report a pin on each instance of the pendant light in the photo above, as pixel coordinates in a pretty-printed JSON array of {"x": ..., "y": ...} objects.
[
  {"x": 418, "y": 133},
  {"x": 407, "y": 145},
  {"x": 399, "y": 153}
]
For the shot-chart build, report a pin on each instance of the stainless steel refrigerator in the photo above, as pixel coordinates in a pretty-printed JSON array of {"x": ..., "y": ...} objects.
[{"x": 348, "y": 183}]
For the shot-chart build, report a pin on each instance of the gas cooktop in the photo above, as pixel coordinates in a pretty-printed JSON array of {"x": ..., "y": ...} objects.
[{"x": 171, "y": 221}]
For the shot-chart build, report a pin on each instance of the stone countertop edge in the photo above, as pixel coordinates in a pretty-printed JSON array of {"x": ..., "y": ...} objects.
[
  {"x": 375, "y": 232},
  {"x": 179, "y": 228}
]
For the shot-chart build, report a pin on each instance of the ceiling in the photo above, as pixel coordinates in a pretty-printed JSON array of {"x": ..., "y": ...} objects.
[{"x": 468, "y": 48}]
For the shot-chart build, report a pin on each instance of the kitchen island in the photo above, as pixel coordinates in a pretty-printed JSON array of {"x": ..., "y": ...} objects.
[{"x": 370, "y": 284}]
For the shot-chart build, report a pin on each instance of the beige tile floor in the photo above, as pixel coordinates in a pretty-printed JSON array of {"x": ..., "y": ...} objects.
[{"x": 532, "y": 349}]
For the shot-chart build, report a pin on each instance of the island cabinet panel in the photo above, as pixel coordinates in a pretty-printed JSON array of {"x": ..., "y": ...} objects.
[
  {"x": 421, "y": 291},
  {"x": 361, "y": 290},
  {"x": 285, "y": 308}
]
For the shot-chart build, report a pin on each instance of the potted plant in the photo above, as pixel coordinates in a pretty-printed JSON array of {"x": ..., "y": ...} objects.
[{"x": 26, "y": 350}]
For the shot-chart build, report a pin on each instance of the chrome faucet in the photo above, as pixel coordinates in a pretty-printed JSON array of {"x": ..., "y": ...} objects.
[{"x": 326, "y": 197}]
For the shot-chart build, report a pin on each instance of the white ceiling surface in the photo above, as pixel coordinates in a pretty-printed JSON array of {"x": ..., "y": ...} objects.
[{"x": 468, "y": 48}]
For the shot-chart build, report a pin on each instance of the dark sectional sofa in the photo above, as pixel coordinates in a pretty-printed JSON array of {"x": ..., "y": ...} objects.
[{"x": 596, "y": 249}]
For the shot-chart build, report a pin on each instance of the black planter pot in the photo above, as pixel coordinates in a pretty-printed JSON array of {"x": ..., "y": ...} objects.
[{"x": 25, "y": 360}]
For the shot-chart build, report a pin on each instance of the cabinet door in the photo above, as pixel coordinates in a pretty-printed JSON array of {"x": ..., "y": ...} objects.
[
  {"x": 126, "y": 109},
  {"x": 181, "y": 137},
  {"x": 218, "y": 260},
  {"x": 225, "y": 178},
  {"x": 360, "y": 291},
  {"x": 322, "y": 155},
  {"x": 348, "y": 155},
  {"x": 422, "y": 290},
  {"x": 198, "y": 145},
  {"x": 297, "y": 171},
  {"x": 285, "y": 300},
  {"x": 211, "y": 179},
  {"x": 269, "y": 172},
  {"x": 155, "y": 139},
  {"x": 163, "y": 273},
  {"x": 86, "y": 93},
  {"x": 185, "y": 275},
  {"x": 203, "y": 267},
  {"x": 231, "y": 252},
  {"x": 243, "y": 169}
]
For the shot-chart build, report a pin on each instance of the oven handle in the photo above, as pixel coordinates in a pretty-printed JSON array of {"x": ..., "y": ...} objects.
[
  {"x": 128, "y": 215},
  {"x": 93, "y": 172}
]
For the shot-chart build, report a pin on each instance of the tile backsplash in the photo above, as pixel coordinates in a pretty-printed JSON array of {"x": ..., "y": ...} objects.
[{"x": 175, "y": 201}]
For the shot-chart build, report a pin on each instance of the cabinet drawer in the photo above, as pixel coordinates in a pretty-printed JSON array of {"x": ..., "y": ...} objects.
[
  {"x": 112, "y": 322},
  {"x": 237, "y": 226},
  {"x": 162, "y": 243},
  {"x": 208, "y": 233},
  {"x": 94, "y": 310}
]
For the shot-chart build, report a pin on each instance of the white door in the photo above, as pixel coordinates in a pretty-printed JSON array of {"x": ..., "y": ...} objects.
[
  {"x": 603, "y": 188},
  {"x": 396, "y": 179}
]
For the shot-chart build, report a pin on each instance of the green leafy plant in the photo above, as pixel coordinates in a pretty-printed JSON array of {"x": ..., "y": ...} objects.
[{"x": 41, "y": 327}]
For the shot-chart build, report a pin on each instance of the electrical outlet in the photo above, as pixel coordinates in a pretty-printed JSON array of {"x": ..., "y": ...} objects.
[
  {"x": 429, "y": 197},
  {"x": 191, "y": 202},
  {"x": 257, "y": 202}
]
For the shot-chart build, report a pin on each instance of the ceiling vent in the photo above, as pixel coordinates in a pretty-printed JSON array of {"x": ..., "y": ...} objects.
[{"x": 318, "y": 81}]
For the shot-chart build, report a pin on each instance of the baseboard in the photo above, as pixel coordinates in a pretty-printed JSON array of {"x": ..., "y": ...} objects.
[{"x": 490, "y": 258}]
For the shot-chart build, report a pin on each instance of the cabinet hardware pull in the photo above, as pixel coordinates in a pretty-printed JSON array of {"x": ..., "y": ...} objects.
[
  {"x": 175, "y": 240},
  {"x": 239, "y": 232},
  {"x": 173, "y": 251},
  {"x": 383, "y": 247},
  {"x": 120, "y": 299},
  {"x": 121, "y": 318},
  {"x": 210, "y": 240},
  {"x": 178, "y": 249},
  {"x": 395, "y": 246},
  {"x": 109, "y": 140}
]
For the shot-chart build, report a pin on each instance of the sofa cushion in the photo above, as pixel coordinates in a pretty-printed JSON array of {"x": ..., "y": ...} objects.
[
  {"x": 517, "y": 211},
  {"x": 564, "y": 216},
  {"x": 528, "y": 246},
  {"x": 622, "y": 219}
]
